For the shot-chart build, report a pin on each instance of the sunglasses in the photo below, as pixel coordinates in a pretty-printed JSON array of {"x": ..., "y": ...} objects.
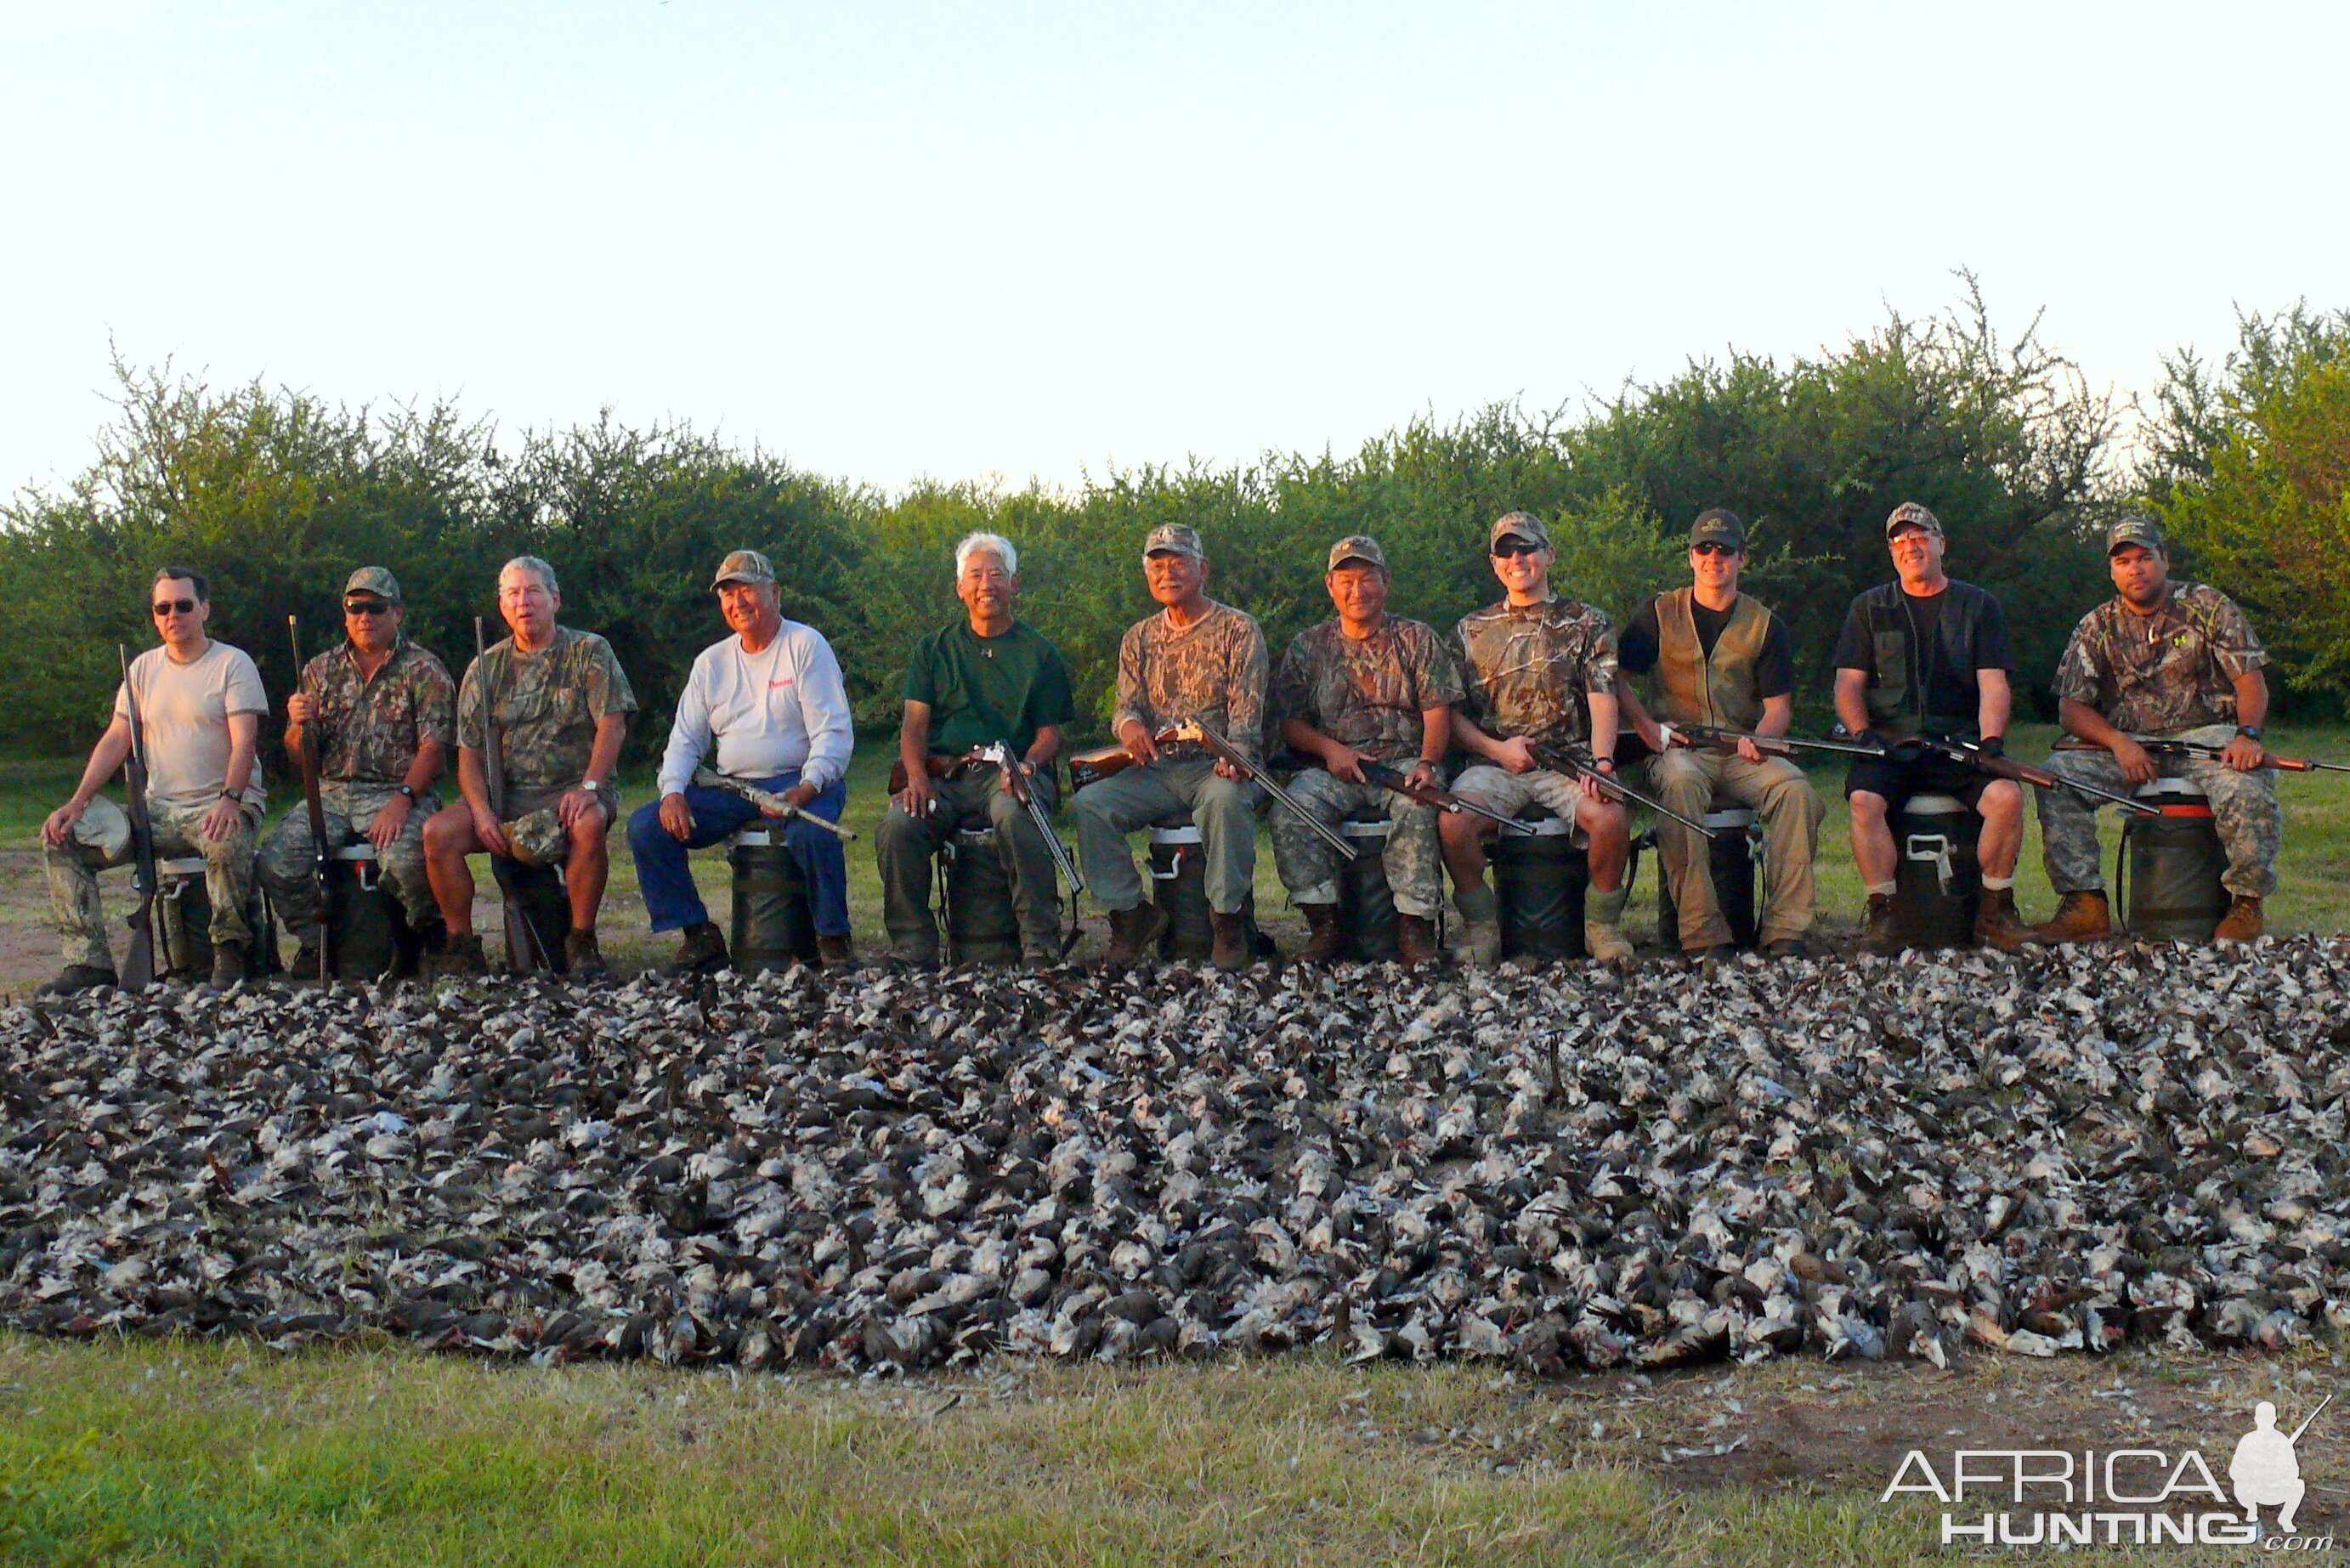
[
  {"x": 1715, "y": 547},
  {"x": 175, "y": 607},
  {"x": 1515, "y": 548},
  {"x": 366, "y": 606}
]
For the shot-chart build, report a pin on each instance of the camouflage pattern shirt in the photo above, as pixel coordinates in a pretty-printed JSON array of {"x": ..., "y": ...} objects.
[
  {"x": 1528, "y": 667},
  {"x": 1366, "y": 692},
  {"x": 369, "y": 729},
  {"x": 2173, "y": 670},
  {"x": 548, "y": 704},
  {"x": 1213, "y": 670}
]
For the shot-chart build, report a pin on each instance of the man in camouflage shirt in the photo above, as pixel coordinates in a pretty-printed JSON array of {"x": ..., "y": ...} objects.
[
  {"x": 1363, "y": 686},
  {"x": 387, "y": 714},
  {"x": 2160, "y": 661},
  {"x": 1195, "y": 659},
  {"x": 1540, "y": 673},
  {"x": 561, "y": 704}
]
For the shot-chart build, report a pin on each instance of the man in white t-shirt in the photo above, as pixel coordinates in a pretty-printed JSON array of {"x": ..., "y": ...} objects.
[
  {"x": 200, "y": 707},
  {"x": 771, "y": 700}
]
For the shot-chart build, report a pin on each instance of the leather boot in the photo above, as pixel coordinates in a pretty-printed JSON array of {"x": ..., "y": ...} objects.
[
  {"x": 1133, "y": 933},
  {"x": 1416, "y": 941},
  {"x": 1328, "y": 944},
  {"x": 2243, "y": 921},
  {"x": 1480, "y": 919},
  {"x": 834, "y": 953},
  {"x": 1231, "y": 951},
  {"x": 228, "y": 965},
  {"x": 2081, "y": 917},
  {"x": 1997, "y": 925},
  {"x": 702, "y": 950},
  {"x": 582, "y": 959},
  {"x": 1603, "y": 928},
  {"x": 79, "y": 977},
  {"x": 1880, "y": 936}
]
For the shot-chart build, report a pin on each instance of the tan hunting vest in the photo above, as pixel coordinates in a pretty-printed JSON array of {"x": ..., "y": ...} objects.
[{"x": 1718, "y": 691}]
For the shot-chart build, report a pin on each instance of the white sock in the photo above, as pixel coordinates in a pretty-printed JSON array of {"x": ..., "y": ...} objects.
[
  {"x": 1998, "y": 884},
  {"x": 1881, "y": 889}
]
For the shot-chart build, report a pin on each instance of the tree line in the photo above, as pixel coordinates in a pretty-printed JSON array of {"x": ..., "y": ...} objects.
[{"x": 277, "y": 494}]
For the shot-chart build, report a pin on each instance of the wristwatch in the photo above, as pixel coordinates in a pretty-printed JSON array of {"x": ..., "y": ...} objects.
[
  {"x": 590, "y": 786},
  {"x": 403, "y": 789},
  {"x": 2250, "y": 731}
]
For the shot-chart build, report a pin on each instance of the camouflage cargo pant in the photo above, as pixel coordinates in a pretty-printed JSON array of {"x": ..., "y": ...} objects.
[
  {"x": 2243, "y": 807},
  {"x": 283, "y": 863},
  {"x": 1790, "y": 810},
  {"x": 1309, "y": 867},
  {"x": 102, "y": 838}
]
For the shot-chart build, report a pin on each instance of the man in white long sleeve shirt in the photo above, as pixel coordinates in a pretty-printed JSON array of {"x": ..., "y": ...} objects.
[{"x": 771, "y": 700}]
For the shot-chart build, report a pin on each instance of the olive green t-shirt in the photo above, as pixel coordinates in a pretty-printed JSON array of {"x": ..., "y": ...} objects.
[{"x": 984, "y": 690}]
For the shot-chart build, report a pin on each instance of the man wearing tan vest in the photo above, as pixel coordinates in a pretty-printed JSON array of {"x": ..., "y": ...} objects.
[{"x": 1721, "y": 658}]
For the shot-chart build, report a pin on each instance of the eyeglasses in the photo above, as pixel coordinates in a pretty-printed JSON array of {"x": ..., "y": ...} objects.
[
  {"x": 366, "y": 606},
  {"x": 175, "y": 607},
  {"x": 1714, "y": 547},
  {"x": 1508, "y": 548}
]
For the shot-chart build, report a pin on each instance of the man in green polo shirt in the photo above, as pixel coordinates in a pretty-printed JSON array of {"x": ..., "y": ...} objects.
[{"x": 987, "y": 677}]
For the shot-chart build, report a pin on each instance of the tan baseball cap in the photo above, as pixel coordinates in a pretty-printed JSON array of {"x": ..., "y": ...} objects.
[
  {"x": 1523, "y": 524},
  {"x": 1357, "y": 547},
  {"x": 1172, "y": 538},
  {"x": 743, "y": 567},
  {"x": 376, "y": 580},
  {"x": 1910, "y": 514}
]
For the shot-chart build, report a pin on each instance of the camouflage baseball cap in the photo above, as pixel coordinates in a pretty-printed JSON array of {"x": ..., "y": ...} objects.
[
  {"x": 1524, "y": 524},
  {"x": 1358, "y": 548},
  {"x": 377, "y": 580},
  {"x": 743, "y": 567},
  {"x": 538, "y": 839},
  {"x": 1172, "y": 538},
  {"x": 2135, "y": 531},
  {"x": 1719, "y": 526},
  {"x": 1910, "y": 515}
]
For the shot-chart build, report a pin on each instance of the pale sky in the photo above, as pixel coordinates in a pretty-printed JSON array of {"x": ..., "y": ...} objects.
[{"x": 891, "y": 241}]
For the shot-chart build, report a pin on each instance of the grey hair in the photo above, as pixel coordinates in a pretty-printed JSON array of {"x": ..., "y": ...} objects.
[
  {"x": 532, "y": 564},
  {"x": 971, "y": 544}
]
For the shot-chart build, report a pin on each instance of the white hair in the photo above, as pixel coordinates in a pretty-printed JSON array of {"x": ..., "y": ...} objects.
[
  {"x": 536, "y": 567},
  {"x": 973, "y": 544}
]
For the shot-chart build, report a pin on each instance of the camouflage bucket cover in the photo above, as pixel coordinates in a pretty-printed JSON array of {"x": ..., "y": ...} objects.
[{"x": 538, "y": 839}]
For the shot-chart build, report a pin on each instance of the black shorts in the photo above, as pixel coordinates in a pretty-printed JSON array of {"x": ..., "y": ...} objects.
[{"x": 1931, "y": 773}]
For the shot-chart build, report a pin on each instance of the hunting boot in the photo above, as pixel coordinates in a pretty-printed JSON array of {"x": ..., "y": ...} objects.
[
  {"x": 1230, "y": 949},
  {"x": 305, "y": 969},
  {"x": 1132, "y": 932},
  {"x": 582, "y": 959},
  {"x": 79, "y": 977},
  {"x": 1997, "y": 925},
  {"x": 1327, "y": 942},
  {"x": 834, "y": 953},
  {"x": 460, "y": 958},
  {"x": 703, "y": 951},
  {"x": 2081, "y": 917},
  {"x": 1882, "y": 935},
  {"x": 1480, "y": 919},
  {"x": 1603, "y": 929},
  {"x": 1416, "y": 945},
  {"x": 2243, "y": 921},
  {"x": 228, "y": 965}
]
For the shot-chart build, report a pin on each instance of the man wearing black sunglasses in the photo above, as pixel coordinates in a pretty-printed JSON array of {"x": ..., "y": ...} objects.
[
  {"x": 200, "y": 707},
  {"x": 387, "y": 715},
  {"x": 1721, "y": 658}
]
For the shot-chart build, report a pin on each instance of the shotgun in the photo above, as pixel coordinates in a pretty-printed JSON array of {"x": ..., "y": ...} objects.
[
  {"x": 138, "y": 963},
  {"x": 322, "y": 855},
  {"x": 526, "y": 951}
]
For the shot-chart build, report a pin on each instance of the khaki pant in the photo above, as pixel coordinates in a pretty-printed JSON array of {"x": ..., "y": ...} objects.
[
  {"x": 1224, "y": 811},
  {"x": 1309, "y": 867},
  {"x": 102, "y": 839},
  {"x": 1790, "y": 809},
  {"x": 904, "y": 845},
  {"x": 283, "y": 861}
]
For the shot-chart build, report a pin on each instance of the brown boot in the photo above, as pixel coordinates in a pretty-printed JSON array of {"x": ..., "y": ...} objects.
[
  {"x": 582, "y": 959},
  {"x": 1880, "y": 935},
  {"x": 1997, "y": 925},
  {"x": 460, "y": 958},
  {"x": 2082, "y": 917},
  {"x": 701, "y": 950},
  {"x": 834, "y": 953},
  {"x": 1133, "y": 933},
  {"x": 1231, "y": 951},
  {"x": 2241, "y": 923},
  {"x": 1328, "y": 944},
  {"x": 1415, "y": 941}
]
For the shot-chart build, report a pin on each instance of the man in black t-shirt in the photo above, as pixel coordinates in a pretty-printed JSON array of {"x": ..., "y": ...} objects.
[{"x": 1928, "y": 655}]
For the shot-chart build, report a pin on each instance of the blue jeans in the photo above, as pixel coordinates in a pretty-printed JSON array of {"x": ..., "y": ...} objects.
[{"x": 674, "y": 902}]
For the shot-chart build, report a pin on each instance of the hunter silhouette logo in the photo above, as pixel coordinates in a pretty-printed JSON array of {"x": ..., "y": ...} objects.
[{"x": 2265, "y": 1472}]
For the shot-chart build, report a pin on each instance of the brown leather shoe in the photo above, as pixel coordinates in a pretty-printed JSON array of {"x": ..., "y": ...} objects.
[
  {"x": 2082, "y": 917},
  {"x": 701, "y": 950},
  {"x": 834, "y": 953},
  {"x": 1231, "y": 951},
  {"x": 1880, "y": 936},
  {"x": 1328, "y": 944},
  {"x": 582, "y": 959},
  {"x": 1133, "y": 933},
  {"x": 2243, "y": 921},
  {"x": 1997, "y": 925},
  {"x": 1416, "y": 941}
]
